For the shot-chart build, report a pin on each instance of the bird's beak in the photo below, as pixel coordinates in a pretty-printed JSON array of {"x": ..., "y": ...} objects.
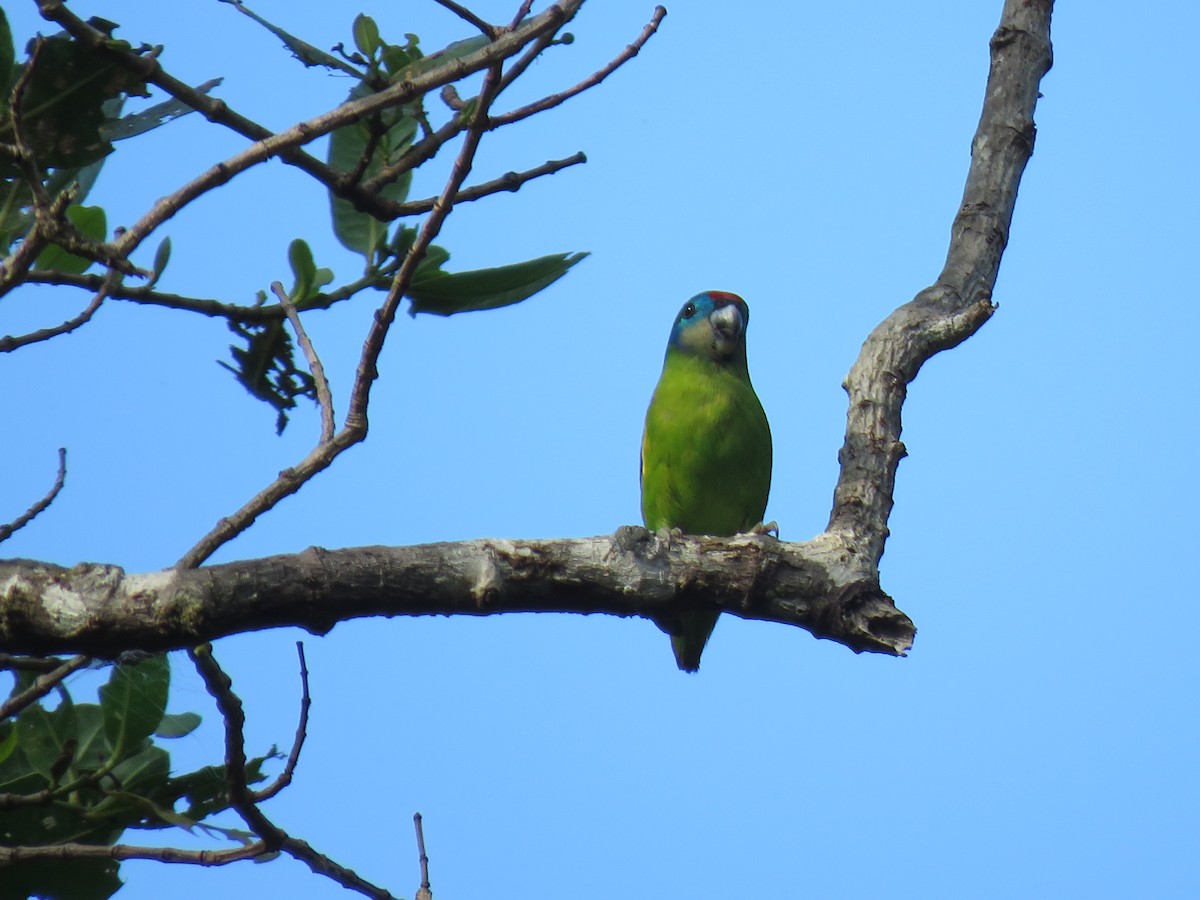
[{"x": 727, "y": 325}]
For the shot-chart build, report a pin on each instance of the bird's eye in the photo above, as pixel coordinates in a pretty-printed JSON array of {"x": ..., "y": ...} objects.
[{"x": 689, "y": 310}]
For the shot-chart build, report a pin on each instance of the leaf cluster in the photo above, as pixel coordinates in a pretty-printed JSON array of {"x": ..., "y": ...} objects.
[
  {"x": 380, "y": 148},
  {"x": 60, "y": 111},
  {"x": 85, "y": 772}
]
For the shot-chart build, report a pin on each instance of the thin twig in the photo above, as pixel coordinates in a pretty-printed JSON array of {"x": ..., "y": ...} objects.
[
  {"x": 69, "y": 852},
  {"x": 368, "y": 369},
  {"x": 510, "y": 181},
  {"x": 522, "y": 12},
  {"x": 324, "y": 397},
  {"x": 354, "y": 428},
  {"x": 215, "y": 308},
  {"x": 469, "y": 17},
  {"x": 7, "y": 531},
  {"x": 15, "y": 268},
  {"x": 553, "y": 100},
  {"x": 323, "y": 865},
  {"x": 305, "y": 132},
  {"x": 423, "y": 892},
  {"x": 16, "y": 103},
  {"x": 214, "y": 109},
  {"x": 242, "y": 799},
  {"x": 415, "y": 155},
  {"x": 42, "y": 685},
  {"x": 11, "y": 662},
  {"x": 285, "y": 777},
  {"x": 220, "y": 687},
  {"x": 10, "y": 343}
]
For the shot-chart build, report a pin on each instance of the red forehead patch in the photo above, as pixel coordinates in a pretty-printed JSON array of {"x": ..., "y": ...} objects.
[{"x": 725, "y": 297}]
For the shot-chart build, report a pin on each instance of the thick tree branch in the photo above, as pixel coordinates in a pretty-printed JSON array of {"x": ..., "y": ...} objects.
[
  {"x": 958, "y": 304},
  {"x": 101, "y": 610}
]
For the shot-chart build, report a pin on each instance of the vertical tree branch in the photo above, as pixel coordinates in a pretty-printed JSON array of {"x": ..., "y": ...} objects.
[{"x": 958, "y": 304}]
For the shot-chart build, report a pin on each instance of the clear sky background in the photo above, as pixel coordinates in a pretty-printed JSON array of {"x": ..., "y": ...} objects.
[{"x": 1041, "y": 738}]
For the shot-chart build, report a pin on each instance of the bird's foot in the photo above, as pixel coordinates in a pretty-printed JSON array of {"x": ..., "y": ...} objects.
[
  {"x": 766, "y": 528},
  {"x": 667, "y": 536}
]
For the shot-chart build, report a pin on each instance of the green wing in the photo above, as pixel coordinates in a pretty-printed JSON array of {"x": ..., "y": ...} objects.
[{"x": 706, "y": 465}]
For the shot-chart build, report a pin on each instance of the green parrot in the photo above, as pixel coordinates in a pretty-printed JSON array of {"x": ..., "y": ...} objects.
[{"x": 706, "y": 450}]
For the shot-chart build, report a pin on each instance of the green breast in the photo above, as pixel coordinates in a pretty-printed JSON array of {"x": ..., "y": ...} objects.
[{"x": 706, "y": 451}]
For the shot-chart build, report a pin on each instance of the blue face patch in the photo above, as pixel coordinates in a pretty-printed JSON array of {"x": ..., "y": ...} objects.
[{"x": 696, "y": 311}]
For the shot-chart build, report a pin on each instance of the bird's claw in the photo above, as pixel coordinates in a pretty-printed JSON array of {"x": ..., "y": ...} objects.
[
  {"x": 766, "y": 528},
  {"x": 667, "y": 536}
]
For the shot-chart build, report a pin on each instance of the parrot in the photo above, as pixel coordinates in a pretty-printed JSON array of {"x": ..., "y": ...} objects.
[{"x": 706, "y": 447}]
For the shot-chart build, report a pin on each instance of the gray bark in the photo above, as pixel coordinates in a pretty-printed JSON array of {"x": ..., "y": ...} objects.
[{"x": 101, "y": 610}]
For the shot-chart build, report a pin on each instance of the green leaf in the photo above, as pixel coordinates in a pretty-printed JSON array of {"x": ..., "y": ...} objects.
[
  {"x": 8, "y": 59},
  {"x": 82, "y": 879},
  {"x": 152, "y": 117},
  {"x": 366, "y": 35},
  {"x": 91, "y": 223},
  {"x": 177, "y": 725},
  {"x": 266, "y": 367},
  {"x": 301, "y": 49},
  {"x": 44, "y": 735},
  {"x": 449, "y": 54},
  {"x": 396, "y": 58},
  {"x": 9, "y": 743},
  {"x": 388, "y": 134},
  {"x": 444, "y": 294},
  {"x": 303, "y": 268},
  {"x": 64, "y": 104},
  {"x": 84, "y": 177},
  {"x": 162, "y": 256},
  {"x": 134, "y": 701},
  {"x": 94, "y": 749}
]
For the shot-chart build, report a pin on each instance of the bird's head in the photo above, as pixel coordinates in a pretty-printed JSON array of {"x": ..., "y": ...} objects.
[{"x": 712, "y": 325}]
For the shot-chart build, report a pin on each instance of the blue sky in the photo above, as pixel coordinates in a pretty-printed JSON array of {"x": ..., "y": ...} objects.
[{"x": 1041, "y": 738}]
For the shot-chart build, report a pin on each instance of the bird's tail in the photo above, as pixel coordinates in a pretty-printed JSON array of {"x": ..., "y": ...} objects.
[{"x": 690, "y": 636}]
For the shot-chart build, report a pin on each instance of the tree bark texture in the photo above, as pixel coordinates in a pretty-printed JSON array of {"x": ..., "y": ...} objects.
[{"x": 100, "y": 610}]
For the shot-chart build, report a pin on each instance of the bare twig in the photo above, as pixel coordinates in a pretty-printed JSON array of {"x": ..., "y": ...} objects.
[
  {"x": 355, "y": 425},
  {"x": 149, "y": 69},
  {"x": 13, "y": 663},
  {"x": 415, "y": 155},
  {"x": 7, "y": 531},
  {"x": 42, "y": 685},
  {"x": 521, "y": 13},
  {"x": 324, "y": 397},
  {"x": 423, "y": 892},
  {"x": 24, "y": 155},
  {"x": 368, "y": 364},
  {"x": 220, "y": 686},
  {"x": 510, "y": 181},
  {"x": 66, "y": 852},
  {"x": 215, "y": 308},
  {"x": 10, "y": 342},
  {"x": 289, "y": 768},
  {"x": 323, "y": 865},
  {"x": 305, "y": 132},
  {"x": 16, "y": 267},
  {"x": 469, "y": 17},
  {"x": 553, "y": 100}
]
